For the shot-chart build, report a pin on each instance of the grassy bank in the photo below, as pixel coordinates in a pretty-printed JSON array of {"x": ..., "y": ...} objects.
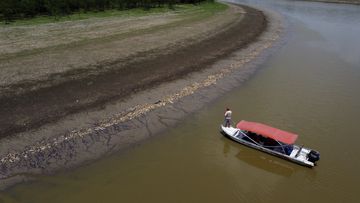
[{"x": 204, "y": 7}]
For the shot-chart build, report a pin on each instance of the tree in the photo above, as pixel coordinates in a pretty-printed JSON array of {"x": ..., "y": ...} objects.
[
  {"x": 12, "y": 9},
  {"x": 8, "y": 9},
  {"x": 57, "y": 8}
]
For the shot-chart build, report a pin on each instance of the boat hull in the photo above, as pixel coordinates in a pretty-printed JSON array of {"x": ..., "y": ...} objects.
[{"x": 299, "y": 155}]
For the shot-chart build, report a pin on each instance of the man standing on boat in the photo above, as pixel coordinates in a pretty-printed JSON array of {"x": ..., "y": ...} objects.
[{"x": 228, "y": 113}]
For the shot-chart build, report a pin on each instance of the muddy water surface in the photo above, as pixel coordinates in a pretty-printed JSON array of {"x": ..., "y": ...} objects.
[{"x": 310, "y": 86}]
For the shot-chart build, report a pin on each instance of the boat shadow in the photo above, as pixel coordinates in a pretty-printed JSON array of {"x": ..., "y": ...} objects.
[{"x": 265, "y": 161}]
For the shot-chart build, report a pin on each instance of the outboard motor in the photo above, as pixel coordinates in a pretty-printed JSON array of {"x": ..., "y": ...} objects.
[{"x": 314, "y": 156}]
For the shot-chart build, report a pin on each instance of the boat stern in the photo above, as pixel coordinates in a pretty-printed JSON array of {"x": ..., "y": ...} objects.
[{"x": 306, "y": 156}]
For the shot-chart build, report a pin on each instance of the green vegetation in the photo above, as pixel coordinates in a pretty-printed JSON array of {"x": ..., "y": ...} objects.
[
  {"x": 11, "y": 10},
  {"x": 204, "y": 7}
]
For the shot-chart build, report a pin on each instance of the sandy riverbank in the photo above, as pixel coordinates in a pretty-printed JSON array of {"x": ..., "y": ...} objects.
[
  {"x": 68, "y": 74},
  {"x": 112, "y": 112}
]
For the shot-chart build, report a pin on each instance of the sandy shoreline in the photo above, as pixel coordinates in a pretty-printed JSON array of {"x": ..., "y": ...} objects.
[{"x": 122, "y": 123}]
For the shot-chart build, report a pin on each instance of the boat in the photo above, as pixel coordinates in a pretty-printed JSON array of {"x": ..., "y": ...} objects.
[{"x": 271, "y": 140}]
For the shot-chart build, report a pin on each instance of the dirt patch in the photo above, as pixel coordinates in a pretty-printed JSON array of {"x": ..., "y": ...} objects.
[
  {"x": 80, "y": 89},
  {"x": 57, "y": 55}
]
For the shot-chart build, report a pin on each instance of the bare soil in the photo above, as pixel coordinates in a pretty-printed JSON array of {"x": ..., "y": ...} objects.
[
  {"x": 102, "y": 116},
  {"x": 50, "y": 83}
]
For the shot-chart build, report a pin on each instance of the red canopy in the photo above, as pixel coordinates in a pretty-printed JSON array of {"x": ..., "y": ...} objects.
[{"x": 267, "y": 131}]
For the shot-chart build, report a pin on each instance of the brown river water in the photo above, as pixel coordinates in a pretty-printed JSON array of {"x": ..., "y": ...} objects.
[{"x": 309, "y": 86}]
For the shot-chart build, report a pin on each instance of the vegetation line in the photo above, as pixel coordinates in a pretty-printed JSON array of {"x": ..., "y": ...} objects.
[{"x": 12, "y": 10}]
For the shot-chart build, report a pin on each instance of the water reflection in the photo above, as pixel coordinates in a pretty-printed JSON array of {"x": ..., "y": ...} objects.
[
  {"x": 258, "y": 159},
  {"x": 266, "y": 163},
  {"x": 226, "y": 148}
]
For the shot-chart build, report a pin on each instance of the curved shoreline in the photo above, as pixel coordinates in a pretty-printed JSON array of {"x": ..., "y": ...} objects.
[{"x": 149, "y": 117}]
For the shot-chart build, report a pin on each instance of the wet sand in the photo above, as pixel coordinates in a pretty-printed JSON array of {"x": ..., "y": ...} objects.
[{"x": 117, "y": 109}]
